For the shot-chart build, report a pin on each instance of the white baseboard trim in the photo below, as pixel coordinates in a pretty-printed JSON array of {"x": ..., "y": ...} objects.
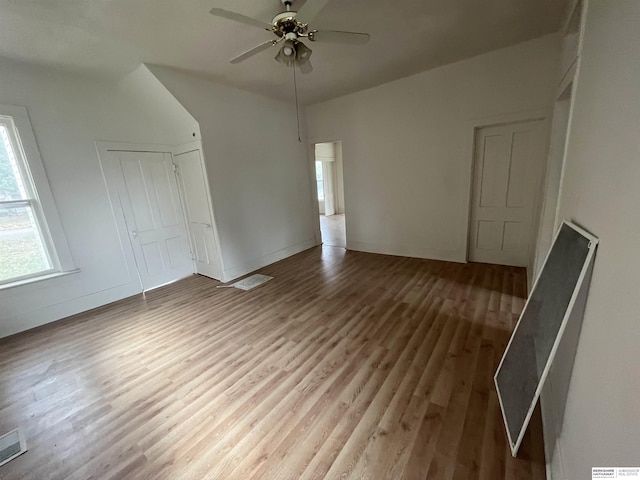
[
  {"x": 458, "y": 256},
  {"x": 546, "y": 412},
  {"x": 257, "y": 263},
  {"x": 51, "y": 313},
  {"x": 555, "y": 465}
]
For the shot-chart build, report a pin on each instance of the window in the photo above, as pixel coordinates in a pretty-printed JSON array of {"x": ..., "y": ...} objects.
[
  {"x": 27, "y": 247},
  {"x": 319, "y": 181}
]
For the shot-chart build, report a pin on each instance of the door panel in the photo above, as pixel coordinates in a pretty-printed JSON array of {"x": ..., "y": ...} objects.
[
  {"x": 204, "y": 244},
  {"x": 152, "y": 259},
  {"x": 137, "y": 194},
  {"x": 494, "y": 170},
  {"x": 512, "y": 238},
  {"x": 167, "y": 203},
  {"x": 176, "y": 246},
  {"x": 508, "y": 162},
  {"x": 489, "y": 235},
  {"x": 517, "y": 192},
  {"x": 152, "y": 211},
  {"x": 201, "y": 226}
]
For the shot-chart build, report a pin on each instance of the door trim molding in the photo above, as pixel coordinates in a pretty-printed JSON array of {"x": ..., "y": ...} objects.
[
  {"x": 315, "y": 206},
  {"x": 472, "y": 125},
  {"x": 103, "y": 147},
  {"x": 188, "y": 147}
]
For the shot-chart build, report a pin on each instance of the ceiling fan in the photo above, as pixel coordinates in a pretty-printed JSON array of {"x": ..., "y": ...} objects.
[{"x": 289, "y": 30}]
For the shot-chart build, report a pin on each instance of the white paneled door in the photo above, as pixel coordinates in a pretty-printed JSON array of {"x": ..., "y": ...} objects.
[
  {"x": 508, "y": 162},
  {"x": 154, "y": 217},
  {"x": 201, "y": 227}
]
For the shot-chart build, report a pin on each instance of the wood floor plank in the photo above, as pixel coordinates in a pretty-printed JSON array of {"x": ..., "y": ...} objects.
[{"x": 345, "y": 365}]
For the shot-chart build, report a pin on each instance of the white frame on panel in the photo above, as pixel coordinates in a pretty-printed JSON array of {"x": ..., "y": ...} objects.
[{"x": 593, "y": 242}]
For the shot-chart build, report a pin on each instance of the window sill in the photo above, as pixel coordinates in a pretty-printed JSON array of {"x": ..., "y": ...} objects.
[{"x": 40, "y": 278}]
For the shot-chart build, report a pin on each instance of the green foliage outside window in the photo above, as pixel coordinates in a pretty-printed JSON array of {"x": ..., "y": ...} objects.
[{"x": 8, "y": 186}]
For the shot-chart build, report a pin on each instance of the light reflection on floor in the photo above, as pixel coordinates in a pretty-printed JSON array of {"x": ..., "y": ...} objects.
[{"x": 333, "y": 231}]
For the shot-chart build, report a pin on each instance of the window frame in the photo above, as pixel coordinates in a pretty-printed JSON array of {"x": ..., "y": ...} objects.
[{"x": 41, "y": 200}]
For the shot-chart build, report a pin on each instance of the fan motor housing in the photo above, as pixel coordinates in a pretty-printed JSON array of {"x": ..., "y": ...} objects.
[{"x": 286, "y": 22}]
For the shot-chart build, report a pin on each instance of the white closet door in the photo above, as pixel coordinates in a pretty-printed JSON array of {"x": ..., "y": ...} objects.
[
  {"x": 201, "y": 226},
  {"x": 507, "y": 168},
  {"x": 151, "y": 206}
]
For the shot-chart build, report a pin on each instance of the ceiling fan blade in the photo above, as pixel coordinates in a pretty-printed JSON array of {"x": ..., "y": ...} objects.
[
  {"x": 336, "y": 36},
  {"x": 305, "y": 67},
  {"x": 310, "y": 9},
  {"x": 238, "y": 17},
  {"x": 252, "y": 52}
]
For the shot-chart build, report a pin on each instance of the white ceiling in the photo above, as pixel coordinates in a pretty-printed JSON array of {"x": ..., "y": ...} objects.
[{"x": 407, "y": 36}]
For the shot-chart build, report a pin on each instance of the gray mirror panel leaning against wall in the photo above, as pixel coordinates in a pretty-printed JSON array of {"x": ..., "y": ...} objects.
[{"x": 529, "y": 354}]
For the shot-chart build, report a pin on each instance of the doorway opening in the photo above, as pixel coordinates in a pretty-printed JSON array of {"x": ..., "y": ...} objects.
[{"x": 330, "y": 192}]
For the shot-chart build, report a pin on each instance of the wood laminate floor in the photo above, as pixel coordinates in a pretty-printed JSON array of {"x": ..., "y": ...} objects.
[{"x": 345, "y": 365}]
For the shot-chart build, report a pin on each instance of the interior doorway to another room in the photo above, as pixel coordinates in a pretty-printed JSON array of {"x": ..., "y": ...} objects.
[{"x": 330, "y": 191}]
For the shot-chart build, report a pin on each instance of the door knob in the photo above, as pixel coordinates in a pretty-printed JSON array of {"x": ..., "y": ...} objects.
[{"x": 134, "y": 233}]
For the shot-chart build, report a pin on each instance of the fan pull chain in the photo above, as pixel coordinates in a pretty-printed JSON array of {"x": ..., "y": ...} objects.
[{"x": 295, "y": 89}]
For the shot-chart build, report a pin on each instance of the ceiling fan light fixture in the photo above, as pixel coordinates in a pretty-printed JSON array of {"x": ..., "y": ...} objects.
[
  {"x": 289, "y": 29},
  {"x": 287, "y": 54},
  {"x": 303, "y": 53}
]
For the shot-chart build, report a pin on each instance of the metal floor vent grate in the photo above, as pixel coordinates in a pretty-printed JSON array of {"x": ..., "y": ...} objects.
[
  {"x": 251, "y": 282},
  {"x": 12, "y": 445},
  {"x": 248, "y": 283}
]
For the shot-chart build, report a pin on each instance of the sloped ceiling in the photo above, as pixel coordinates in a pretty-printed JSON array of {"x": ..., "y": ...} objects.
[{"x": 112, "y": 37}]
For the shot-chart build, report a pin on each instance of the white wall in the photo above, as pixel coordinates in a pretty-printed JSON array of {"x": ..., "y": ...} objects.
[
  {"x": 601, "y": 192},
  {"x": 68, "y": 113},
  {"x": 143, "y": 89},
  {"x": 258, "y": 171},
  {"x": 407, "y": 145}
]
